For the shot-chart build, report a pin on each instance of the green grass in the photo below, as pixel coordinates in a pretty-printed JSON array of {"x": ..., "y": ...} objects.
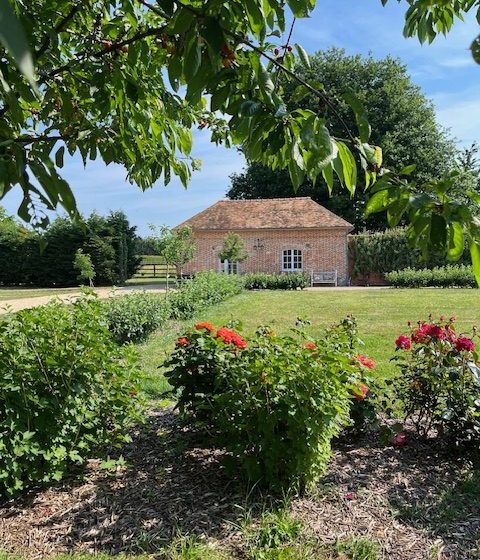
[
  {"x": 23, "y": 293},
  {"x": 140, "y": 281},
  {"x": 152, "y": 259},
  {"x": 381, "y": 314}
]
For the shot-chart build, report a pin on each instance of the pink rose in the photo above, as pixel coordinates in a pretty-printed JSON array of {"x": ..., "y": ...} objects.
[
  {"x": 403, "y": 342},
  {"x": 399, "y": 440},
  {"x": 464, "y": 343}
]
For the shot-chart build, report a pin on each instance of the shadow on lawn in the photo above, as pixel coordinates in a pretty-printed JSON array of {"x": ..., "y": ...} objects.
[{"x": 424, "y": 486}]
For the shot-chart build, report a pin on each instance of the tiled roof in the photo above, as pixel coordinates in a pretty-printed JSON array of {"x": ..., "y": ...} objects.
[{"x": 271, "y": 213}]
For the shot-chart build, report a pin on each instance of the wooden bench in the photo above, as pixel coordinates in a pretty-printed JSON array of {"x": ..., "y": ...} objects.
[{"x": 324, "y": 277}]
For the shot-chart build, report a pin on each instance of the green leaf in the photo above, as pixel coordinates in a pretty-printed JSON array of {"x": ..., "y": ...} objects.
[
  {"x": 193, "y": 57},
  {"x": 185, "y": 141},
  {"x": 396, "y": 210},
  {"x": 298, "y": 7},
  {"x": 213, "y": 34},
  {"x": 327, "y": 173},
  {"x": 475, "y": 255},
  {"x": 264, "y": 81},
  {"x": 377, "y": 202},
  {"x": 255, "y": 17},
  {"x": 475, "y": 48},
  {"x": 360, "y": 113},
  {"x": 438, "y": 231},
  {"x": 182, "y": 21},
  {"x": 249, "y": 108},
  {"x": 175, "y": 72},
  {"x": 456, "y": 241},
  {"x": 408, "y": 170},
  {"x": 297, "y": 175},
  {"x": 303, "y": 56},
  {"x": 13, "y": 38},
  {"x": 59, "y": 156},
  {"x": 219, "y": 97},
  {"x": 349, "y": 167}
]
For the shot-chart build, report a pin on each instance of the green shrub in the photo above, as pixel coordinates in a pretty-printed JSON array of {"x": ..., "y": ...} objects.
[
  {"x": 383, "y": 252},
  {"x": 275, "y": 403},
  {"x": 134, "y": 316},
  {"x": 439, "y": 384},
  {"x": 207, "y": 288},
  {"x": 265, "y": 281},
  {"x": 442, "y": 277},
  {"x": 65, "y": 389}
]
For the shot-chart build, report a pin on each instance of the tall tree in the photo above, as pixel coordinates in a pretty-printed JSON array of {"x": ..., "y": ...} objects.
[{"x": 403, "y": 123}]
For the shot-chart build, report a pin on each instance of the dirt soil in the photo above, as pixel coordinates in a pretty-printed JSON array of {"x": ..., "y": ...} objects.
[{"x": 405, "y": 498}]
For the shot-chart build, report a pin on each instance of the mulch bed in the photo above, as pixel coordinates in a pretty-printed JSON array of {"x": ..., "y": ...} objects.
[{"x": 172, "y": 485}]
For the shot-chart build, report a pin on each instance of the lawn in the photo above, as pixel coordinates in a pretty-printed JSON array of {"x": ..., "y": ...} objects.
[
  {"x": 23, "y": 293},
  {"x": 382, "y": 314}
]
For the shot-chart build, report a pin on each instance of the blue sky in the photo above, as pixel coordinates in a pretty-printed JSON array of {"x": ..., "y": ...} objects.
[{"x": 444, "y": 70}]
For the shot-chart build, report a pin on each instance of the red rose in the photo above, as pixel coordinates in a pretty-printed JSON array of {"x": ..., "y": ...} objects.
[
  {"x": 419, "y": 335},
  {"x": 310, "y": 346},
  {"x": 239, "y": 341},
  {"x": 436, "y": 332},
  {"x": 182, "y": 341},
  {"x": 225, "y": 334},
  {"x": 365, "y": 361},
  {"x": 363, "y": 389},
  {"x": 229, "y": 336},
  {"x": 399, "y": 439},
  {"x": 403, "y": 342},
  {"x": 464, "y": 343},
  {"x": 205, "y": 325}
]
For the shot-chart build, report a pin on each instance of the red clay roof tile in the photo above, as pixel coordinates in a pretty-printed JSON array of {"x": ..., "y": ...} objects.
[{"x": 273, "y": 213}]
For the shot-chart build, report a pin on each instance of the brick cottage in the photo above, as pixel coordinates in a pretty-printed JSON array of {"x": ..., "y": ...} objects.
[{"x": 280, "y": 235}]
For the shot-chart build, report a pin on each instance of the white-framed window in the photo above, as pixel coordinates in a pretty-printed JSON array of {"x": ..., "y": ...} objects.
[
  {"x": 229, "y": 267},
  {"x": 292, "y": 260}
]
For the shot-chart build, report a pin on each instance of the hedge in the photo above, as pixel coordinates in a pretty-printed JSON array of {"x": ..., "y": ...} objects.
[
  {"x": 205, "y": 289},
  {"x": 383, "y": 252},
  {"x": 441, "y": 277},
  {"x": 264, "y": 281},
  {"x": 46, "y": 259}
]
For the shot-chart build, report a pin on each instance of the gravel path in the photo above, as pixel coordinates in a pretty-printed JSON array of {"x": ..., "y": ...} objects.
[{"x": 12, "y": 305}]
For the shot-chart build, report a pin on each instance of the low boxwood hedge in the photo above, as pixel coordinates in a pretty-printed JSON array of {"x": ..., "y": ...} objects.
[{"x": 441, "y": 277}]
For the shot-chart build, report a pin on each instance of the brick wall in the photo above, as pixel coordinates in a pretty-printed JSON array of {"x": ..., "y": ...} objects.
[{"x": 322, "y": 249}]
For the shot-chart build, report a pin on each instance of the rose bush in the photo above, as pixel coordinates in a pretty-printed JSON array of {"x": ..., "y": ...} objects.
[
  {"x": 440, "y": 380},
  {"x": 66, "y": 389},
  {"x": 273, "y": 402}
]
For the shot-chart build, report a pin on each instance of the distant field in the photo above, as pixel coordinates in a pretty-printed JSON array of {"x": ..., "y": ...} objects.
[
  {"x": 152, "y": 270},
  {"x": 151, "y": 259}
]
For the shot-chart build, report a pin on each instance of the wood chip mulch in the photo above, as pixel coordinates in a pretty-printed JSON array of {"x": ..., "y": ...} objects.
[{"x": 172, "y": 485}]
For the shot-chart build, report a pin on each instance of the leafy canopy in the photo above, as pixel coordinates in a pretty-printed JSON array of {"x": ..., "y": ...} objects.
[
  {"x": 402, "y": 119},
  {"x": 126, "y": 80},
  {"x": 428, "y": 18}
]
